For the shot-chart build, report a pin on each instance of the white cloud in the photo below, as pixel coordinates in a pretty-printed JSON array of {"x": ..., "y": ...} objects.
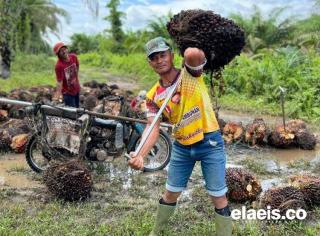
[{"x": 139, "y": 12}]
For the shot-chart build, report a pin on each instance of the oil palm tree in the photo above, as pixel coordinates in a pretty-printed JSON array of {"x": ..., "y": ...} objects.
[
  {"x": 23, "y": 24},
  {"x": 264, "y": 32}
]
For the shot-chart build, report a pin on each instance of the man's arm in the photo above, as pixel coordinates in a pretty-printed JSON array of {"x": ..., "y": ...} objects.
[
  {"x": 137, "y": 161},
  {"x": 77, "y": 64},
  {"x": 194, "y": 60},
  {"x": 59, "y": 77}
]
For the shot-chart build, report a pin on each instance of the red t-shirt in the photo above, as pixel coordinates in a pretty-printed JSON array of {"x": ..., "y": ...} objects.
[{"x": 67, "y": 72}]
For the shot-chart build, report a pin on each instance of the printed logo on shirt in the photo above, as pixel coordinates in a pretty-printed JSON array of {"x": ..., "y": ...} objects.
[{"x": 71, "y": 75}]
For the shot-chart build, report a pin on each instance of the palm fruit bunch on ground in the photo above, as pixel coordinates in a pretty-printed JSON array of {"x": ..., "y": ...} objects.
[
  {"x": 242, "y": 185},
  {"x": 19, "y": 143},
  {"x": 283, "y": 198},
  {"x": 256, "y": 132},
  {"x": 295, "y": 133},
  {"x": 232, "y": 132},
  {"x": 220, "y": 38},
  {"x": 70, "y": 180},
  {"x": 3, "y": 116},
  {"x": 14, "y": 135},
  {"x": 310, "y": 188}
]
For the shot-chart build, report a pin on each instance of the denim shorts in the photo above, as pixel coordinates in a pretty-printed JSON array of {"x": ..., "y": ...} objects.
[{"x": 210, "y": 152}]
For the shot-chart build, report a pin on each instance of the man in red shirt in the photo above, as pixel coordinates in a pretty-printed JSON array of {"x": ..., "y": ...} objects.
[{"x": 67, "y": 68}]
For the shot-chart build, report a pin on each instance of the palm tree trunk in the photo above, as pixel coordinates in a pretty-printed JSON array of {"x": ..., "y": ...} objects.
[{"x": 5, "y": 62}]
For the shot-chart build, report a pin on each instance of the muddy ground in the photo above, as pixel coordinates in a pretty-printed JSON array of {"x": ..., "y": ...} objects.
[{"x": 270, "y": 165}]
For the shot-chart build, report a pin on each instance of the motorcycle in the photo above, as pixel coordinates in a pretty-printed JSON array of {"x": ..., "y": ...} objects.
[{"x": 64, "y": 133}]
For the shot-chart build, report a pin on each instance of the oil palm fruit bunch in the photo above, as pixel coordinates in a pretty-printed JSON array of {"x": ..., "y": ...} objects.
[
  {"x": 281, "y": 137},
  {"x": 310, "y": 188},
  {"x": 5, "y": 140},
  {"x": 19, "y": 142},
  {"x": 220, "y": 38},
  {"x": 283, "y": 198},
  {"x": 232, "y": 132},
  {"x": 242, "y": 185},
  {"x": 295, "y": 133},
  {"x": 70, "y": 181},
  {"x": 256, "y": 132}
]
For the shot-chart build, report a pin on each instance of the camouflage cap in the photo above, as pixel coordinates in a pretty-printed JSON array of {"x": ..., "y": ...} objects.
[{"x": 156, "y": 45}]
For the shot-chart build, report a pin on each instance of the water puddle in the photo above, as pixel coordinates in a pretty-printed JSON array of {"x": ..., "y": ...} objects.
[
  {"x": 247, "y": 118},
  {"x": 13, "y": 169},
  {"x": 285, "y": 156},
  {"x": 269, "y": 183}
]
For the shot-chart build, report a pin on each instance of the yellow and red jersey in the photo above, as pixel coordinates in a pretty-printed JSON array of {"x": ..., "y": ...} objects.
[{"x": 189, "y": 110}]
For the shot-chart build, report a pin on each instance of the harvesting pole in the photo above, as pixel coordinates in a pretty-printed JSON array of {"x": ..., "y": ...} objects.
[{"x": 282, "y": 95}]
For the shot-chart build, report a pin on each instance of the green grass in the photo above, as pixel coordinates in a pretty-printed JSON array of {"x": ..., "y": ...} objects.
[
  {"x": 300, "y": 164},
  {"x": 128, "y": 218},
  {"x": 255, "y": 165}
]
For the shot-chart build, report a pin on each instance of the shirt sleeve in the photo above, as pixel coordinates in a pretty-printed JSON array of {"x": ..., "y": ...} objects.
[
  {"x": 152, "y": 108},
  {"x": 59, "y": 73}
]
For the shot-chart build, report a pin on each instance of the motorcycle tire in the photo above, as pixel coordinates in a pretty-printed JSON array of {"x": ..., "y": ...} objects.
[
  {"x": 31, "y": 145},
  {"x": 155, "y": 161}
]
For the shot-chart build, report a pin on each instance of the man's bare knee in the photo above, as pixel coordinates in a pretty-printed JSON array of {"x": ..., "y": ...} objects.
[{"x": 171, "y": 197}]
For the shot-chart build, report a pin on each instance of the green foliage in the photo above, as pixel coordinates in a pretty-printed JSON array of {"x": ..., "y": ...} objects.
[
  {"x": 82, "y": 43},
  {"x": 261, "y": 76},
  {"x": 264, "y": 32},
  {"x": 114, "y": 18}
]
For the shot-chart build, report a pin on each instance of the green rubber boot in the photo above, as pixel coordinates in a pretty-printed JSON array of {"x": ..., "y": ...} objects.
[
  {"x": 223, "y": 225},
  {"x": 163, "y": 214}
]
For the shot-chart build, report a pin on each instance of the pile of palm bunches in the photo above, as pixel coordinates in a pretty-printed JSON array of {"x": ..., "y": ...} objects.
[
  {"x": 70, "y": 181},
  {"x": 283, "y": 198},
  {"x": 220, "y": 38},
  {"x": 242, "y": 185},
  {"x": 310, "y": 188},
  {"x": 294, "y": 133}
]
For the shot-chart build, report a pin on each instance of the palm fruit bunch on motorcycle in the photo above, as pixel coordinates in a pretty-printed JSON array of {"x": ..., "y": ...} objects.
[
  {"x": 70, "y": 180},
  {"x": 283, "y": 198},
  {"x": 220, "y": 38},
  {"x": 242, "y": 185},
  {"x": 310, "y": 188}
]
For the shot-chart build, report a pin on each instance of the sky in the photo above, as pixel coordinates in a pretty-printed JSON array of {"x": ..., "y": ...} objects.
[{"x": 139, "y": 12}]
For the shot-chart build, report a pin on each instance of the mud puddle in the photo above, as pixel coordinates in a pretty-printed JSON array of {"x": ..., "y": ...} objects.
[{"x": 15, "y": 173}]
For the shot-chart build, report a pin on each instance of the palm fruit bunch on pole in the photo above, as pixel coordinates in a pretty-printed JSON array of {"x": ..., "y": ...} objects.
[
  {"x": 310, "y": 188},
  {"x": 232, "y": 132},
  {"x": 242, "y": 185},
  {"x": 70, "y": 181},
  {"x": 295, "y": 133},
  {"x": 283, "y": 198},
  {"x": 256, "y": 132},
  {"x": 220, "y": 38}
]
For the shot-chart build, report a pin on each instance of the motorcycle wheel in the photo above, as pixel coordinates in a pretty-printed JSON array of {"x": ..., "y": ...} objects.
[
  {"x": 35, "y": 155},
  {"x": 159, "y": 156}
]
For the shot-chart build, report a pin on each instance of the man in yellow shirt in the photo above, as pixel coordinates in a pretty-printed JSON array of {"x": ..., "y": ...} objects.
[{"x": 196, "y": 132}]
